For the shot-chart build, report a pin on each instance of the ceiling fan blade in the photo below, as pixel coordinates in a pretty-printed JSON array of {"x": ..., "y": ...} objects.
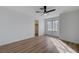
[
  {"x": 50, "y": 10},
  {"x": 39, "y": 12}
]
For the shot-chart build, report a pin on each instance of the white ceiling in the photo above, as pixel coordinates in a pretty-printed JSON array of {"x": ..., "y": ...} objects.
[{"x": 31, "y": 10}]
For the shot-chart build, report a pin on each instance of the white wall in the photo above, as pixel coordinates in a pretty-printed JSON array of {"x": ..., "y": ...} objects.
[
  {"x": 52, "y": 33},
  {"x": 69, "y": 26},
  {"x": 15, "y": 26},
  {"x": 41, "y": 26}
]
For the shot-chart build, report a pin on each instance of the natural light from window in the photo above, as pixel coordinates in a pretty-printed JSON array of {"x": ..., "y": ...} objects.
[{"x": 53, "y": 25}]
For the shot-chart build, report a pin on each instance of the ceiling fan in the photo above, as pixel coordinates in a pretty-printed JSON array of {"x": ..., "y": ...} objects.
[{"x": 44, "y": 11}]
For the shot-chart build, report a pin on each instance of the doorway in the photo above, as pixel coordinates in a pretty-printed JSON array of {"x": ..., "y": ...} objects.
[{"x": 36, "y": 28}]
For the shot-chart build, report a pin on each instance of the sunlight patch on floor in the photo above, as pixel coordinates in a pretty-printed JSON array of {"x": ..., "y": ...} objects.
[{"x": 62, "y": 47}]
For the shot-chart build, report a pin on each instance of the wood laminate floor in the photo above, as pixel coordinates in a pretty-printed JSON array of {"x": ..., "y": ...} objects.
[
  {"x": 74, "y": 46},
  {"x": 41, "y": 44}
]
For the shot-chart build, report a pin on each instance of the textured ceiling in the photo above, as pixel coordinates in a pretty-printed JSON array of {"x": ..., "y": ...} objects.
[{"x": 31, "y": 9}]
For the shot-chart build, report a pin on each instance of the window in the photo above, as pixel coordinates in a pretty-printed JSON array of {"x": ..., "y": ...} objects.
[
  {"x": 49, "y": 25},
  {"x": 55, "y": 25}
]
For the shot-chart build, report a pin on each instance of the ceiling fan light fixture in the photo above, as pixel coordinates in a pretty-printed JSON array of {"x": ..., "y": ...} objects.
[
  {"x": 45, "y": 14},
  {"x": 44, "y": 10}
]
